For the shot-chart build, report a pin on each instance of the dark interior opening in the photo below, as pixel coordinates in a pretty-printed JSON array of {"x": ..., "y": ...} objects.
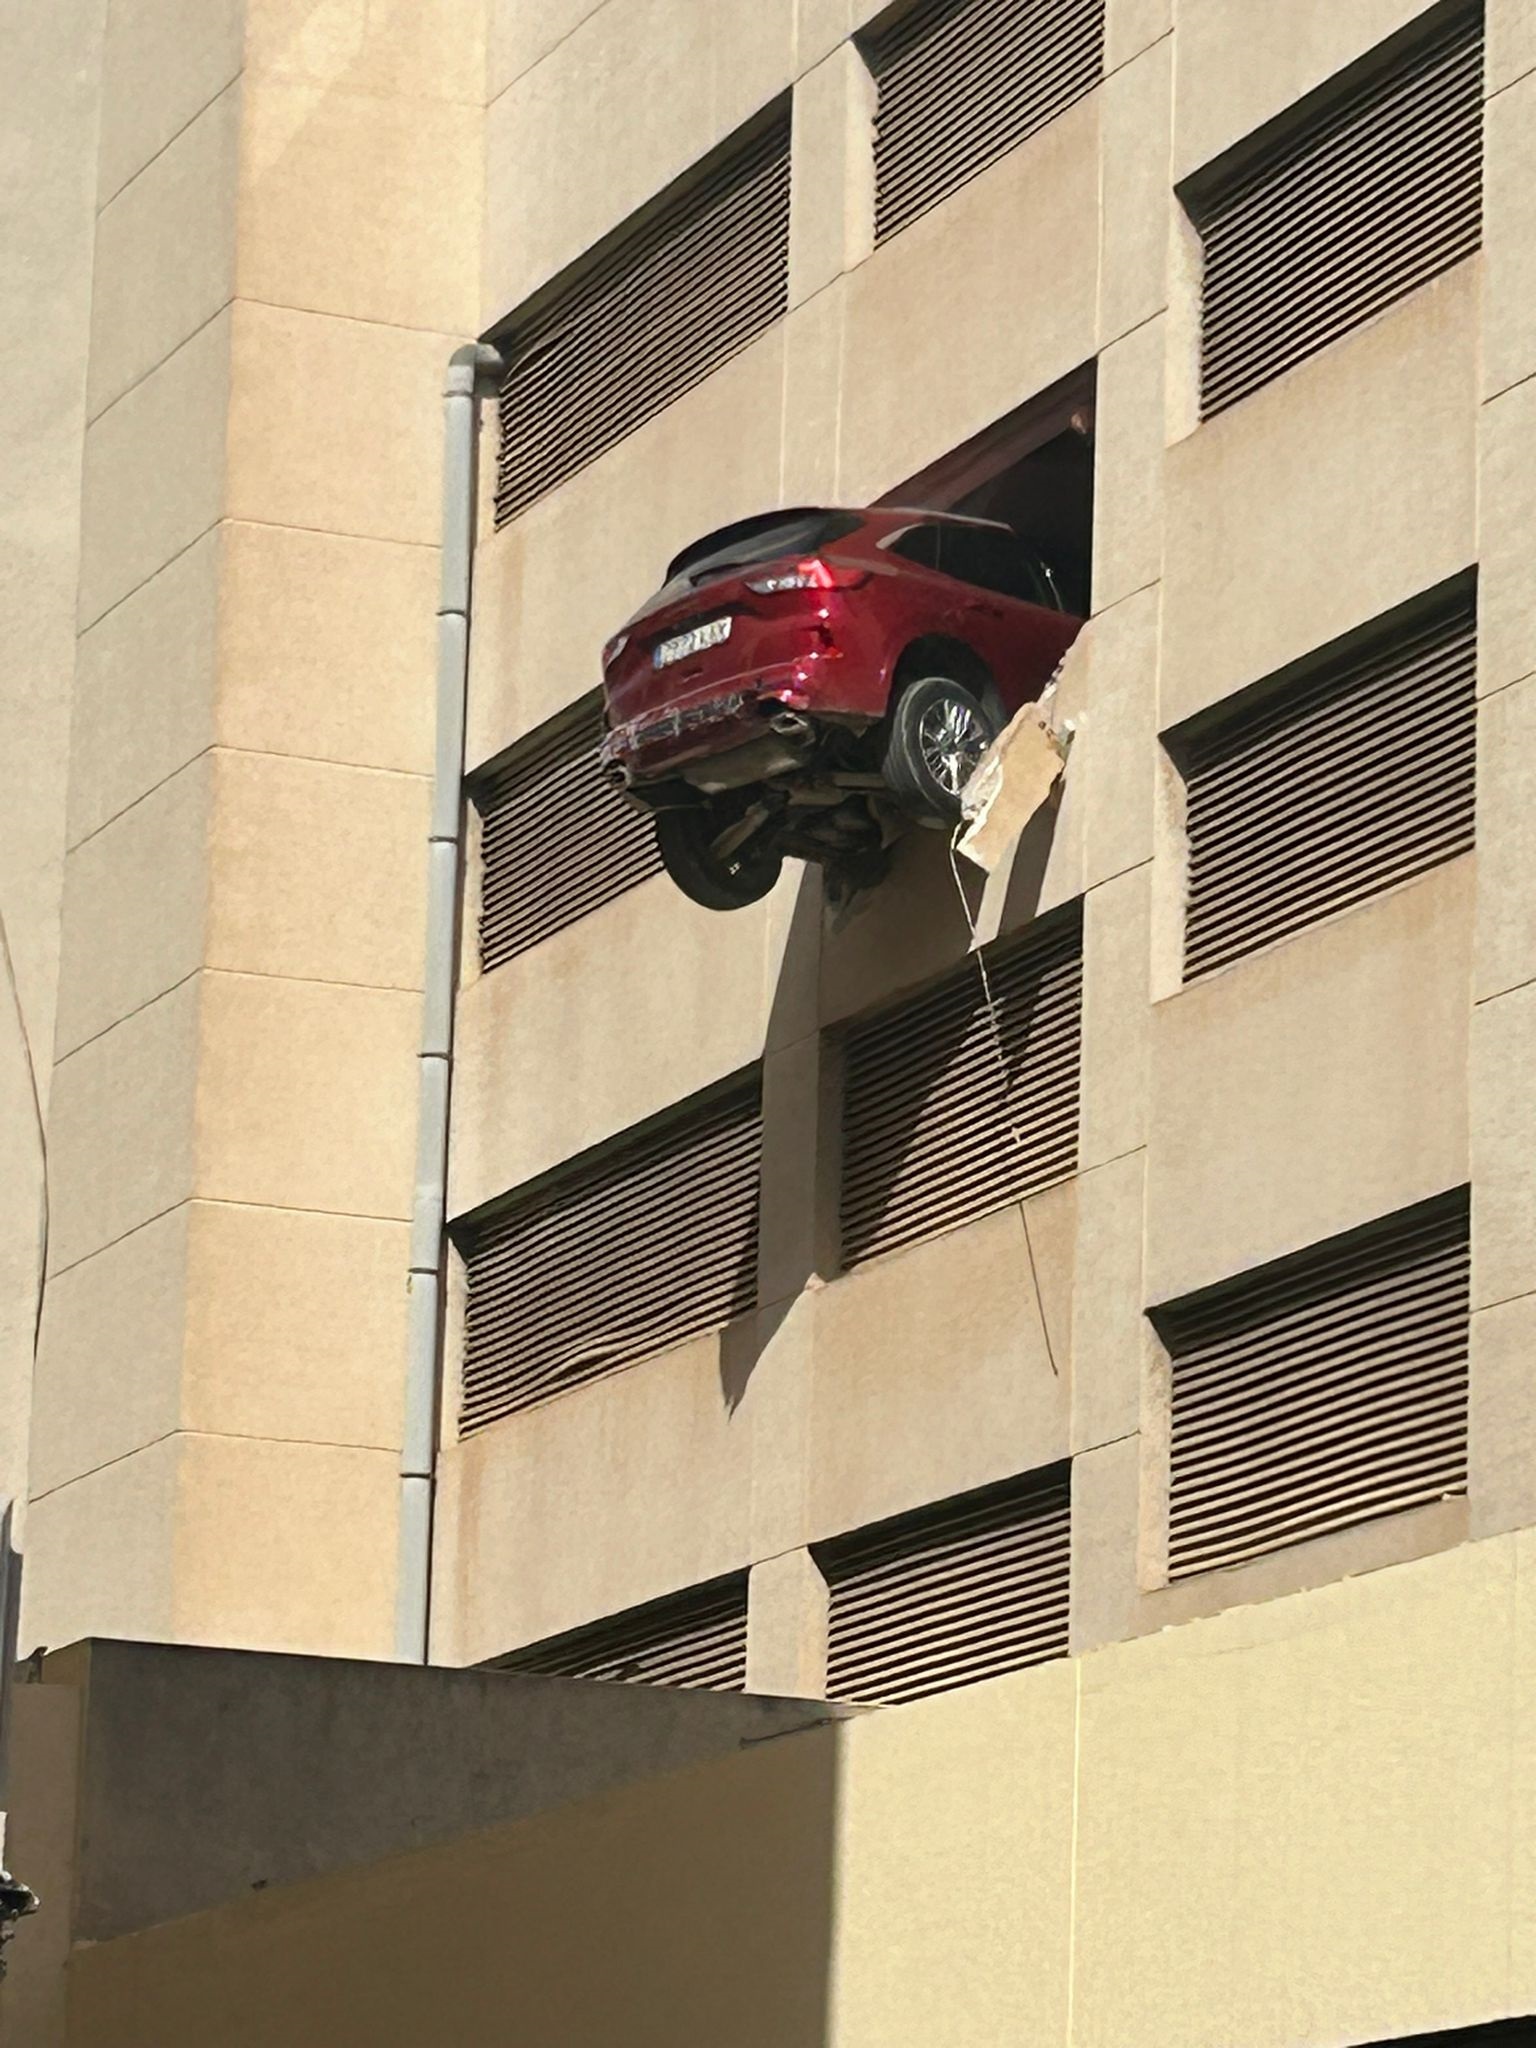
[{"x": 1034, "y": 469}]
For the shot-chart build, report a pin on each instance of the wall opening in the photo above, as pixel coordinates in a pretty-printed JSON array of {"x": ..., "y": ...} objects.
[{"x": 1033, "y": 468}]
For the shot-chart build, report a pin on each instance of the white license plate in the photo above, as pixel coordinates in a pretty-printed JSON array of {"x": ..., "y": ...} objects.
[{"x": 691, "y": 642}]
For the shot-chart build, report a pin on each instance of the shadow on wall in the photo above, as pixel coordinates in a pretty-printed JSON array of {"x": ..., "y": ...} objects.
[
  {"x": 792, "y": 1018},
  {"x": 1034, "y": 469},
  {"x": 836, "y": 965}
]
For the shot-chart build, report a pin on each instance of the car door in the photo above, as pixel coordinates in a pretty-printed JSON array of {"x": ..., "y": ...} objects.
[
  {"x": 1012, "y": 618},
  {"x": 912, "y": 606}
]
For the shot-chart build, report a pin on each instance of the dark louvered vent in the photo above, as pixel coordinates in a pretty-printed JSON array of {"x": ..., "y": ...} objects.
[
  {"x": 1357, "y": 775},
  {"x": 671, "y": 297},
  {"x": 968, "y": 1589},
  {"x": 933, "y": 1131},
  {"x": 556, "y": 839},
  {"x": 1324, "y": 1390},
  {"x": 961, "y": 82},
  {"x": 615, "y": 1257},
  {"x": 1352, "y": 202},
  {"x": 696, "y": 1639}
]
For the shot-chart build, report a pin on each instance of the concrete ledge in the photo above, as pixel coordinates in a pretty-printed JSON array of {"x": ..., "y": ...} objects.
[{"x": 205, "y": 1775}]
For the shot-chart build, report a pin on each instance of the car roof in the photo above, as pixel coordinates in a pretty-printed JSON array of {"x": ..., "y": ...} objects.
[
  {"x": 740, "y": 529},
  {"x": 927, "y": 513},
  {"x": 745, "y": 529}
]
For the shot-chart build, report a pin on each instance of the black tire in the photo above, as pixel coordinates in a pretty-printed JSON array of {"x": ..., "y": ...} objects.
[
  {"x": 685, "y": 840},
  {"x": 938, "y": 731}
]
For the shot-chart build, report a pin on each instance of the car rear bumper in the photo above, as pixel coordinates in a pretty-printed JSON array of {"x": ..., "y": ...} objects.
[{"x": 729, "y": 714}]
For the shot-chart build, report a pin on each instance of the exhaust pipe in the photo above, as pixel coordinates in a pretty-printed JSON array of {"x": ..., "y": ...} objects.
[{"x": 790, "y": 725}]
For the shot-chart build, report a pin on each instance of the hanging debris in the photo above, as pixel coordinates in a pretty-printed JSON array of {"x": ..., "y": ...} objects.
[
  {"x": 1013, "y": 779},
  {"x": 17, "y": 1900}
]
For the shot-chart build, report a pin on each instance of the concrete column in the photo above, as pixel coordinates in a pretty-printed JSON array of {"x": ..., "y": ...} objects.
[
  {"x": 832, "y": 179},
  {"x": 1131, "y": 26},
  {"x": 286, "y": 251},
  {"x": 798, "y": 1223},
  {"x": 1503, "y": 1038},
  {"x": 53, "y": 62},
  {"x": 1106, "y": 1509},
  {"x": 1115, "y": 765},
  {"x": 1135, "y": 198},
  {"x": 787, "y": 1627}
]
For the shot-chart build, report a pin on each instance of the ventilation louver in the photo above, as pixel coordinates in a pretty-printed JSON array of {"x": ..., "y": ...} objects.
[
  {"x": 961, "y": 82},
  {"x": 932, "y": 1135},
  {"x": 1355, "y": 777},
  {"x": 556, "y": 839},
  {"x": 669, "y": 299},
  {"x": 1353, "y": 205},
  {"x": 970, "y": 1588},
  {"x": 696, "y": 1640},
  {"x": 1327, "y": 1389},
  {"x": 614, "y": 1258}
]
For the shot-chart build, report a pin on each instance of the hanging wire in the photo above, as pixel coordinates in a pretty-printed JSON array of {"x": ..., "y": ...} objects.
[{"x": 1000, "y": 1047}]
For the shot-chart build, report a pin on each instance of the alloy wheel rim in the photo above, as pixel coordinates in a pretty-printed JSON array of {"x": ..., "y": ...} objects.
[{"x": 951, "y": 739}]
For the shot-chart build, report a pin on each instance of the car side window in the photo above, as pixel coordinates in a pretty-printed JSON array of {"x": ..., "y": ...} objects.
[
  {"x": 918, "y": 544},
  {"x": 994, "y": 561}
]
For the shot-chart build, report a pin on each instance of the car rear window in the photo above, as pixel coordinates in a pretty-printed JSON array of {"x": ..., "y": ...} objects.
[{"x": 801, "y": 533}]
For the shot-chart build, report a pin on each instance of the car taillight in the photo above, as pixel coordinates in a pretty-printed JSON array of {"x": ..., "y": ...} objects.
[
  {"x": 614, "y": 649},
  {"x": 812, "y": 575}
]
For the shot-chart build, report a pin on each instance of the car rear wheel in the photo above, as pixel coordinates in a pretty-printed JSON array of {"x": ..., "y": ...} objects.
[
  {"x": 938, "y": 731},
  {"x": 689, "y": 842}
]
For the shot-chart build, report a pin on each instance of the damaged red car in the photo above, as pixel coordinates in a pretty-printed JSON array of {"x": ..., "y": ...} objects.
[{"x": 809, "y": 682}]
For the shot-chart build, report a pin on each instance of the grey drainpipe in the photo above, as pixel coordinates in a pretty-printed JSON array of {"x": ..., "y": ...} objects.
[{"x": 470, "y": 370}]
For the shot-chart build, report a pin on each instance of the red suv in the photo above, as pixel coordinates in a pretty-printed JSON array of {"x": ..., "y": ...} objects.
[{"x": 807, "y": 681}]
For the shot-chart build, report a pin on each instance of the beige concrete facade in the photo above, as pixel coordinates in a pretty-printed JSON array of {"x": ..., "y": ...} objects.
[
  {"x": 214, "y": 888},
  {"x": 1285, "y": 1803},
  {"x": 1299, "y": 1093},
  {"x": 47, "y": 231},
  {"x": 277, "y": 252}
]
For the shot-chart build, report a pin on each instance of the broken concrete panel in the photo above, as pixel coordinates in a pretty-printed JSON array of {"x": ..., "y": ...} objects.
[
  {"x": 1014, "y": 778},
  {"x": 1028, "y": 830}
]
